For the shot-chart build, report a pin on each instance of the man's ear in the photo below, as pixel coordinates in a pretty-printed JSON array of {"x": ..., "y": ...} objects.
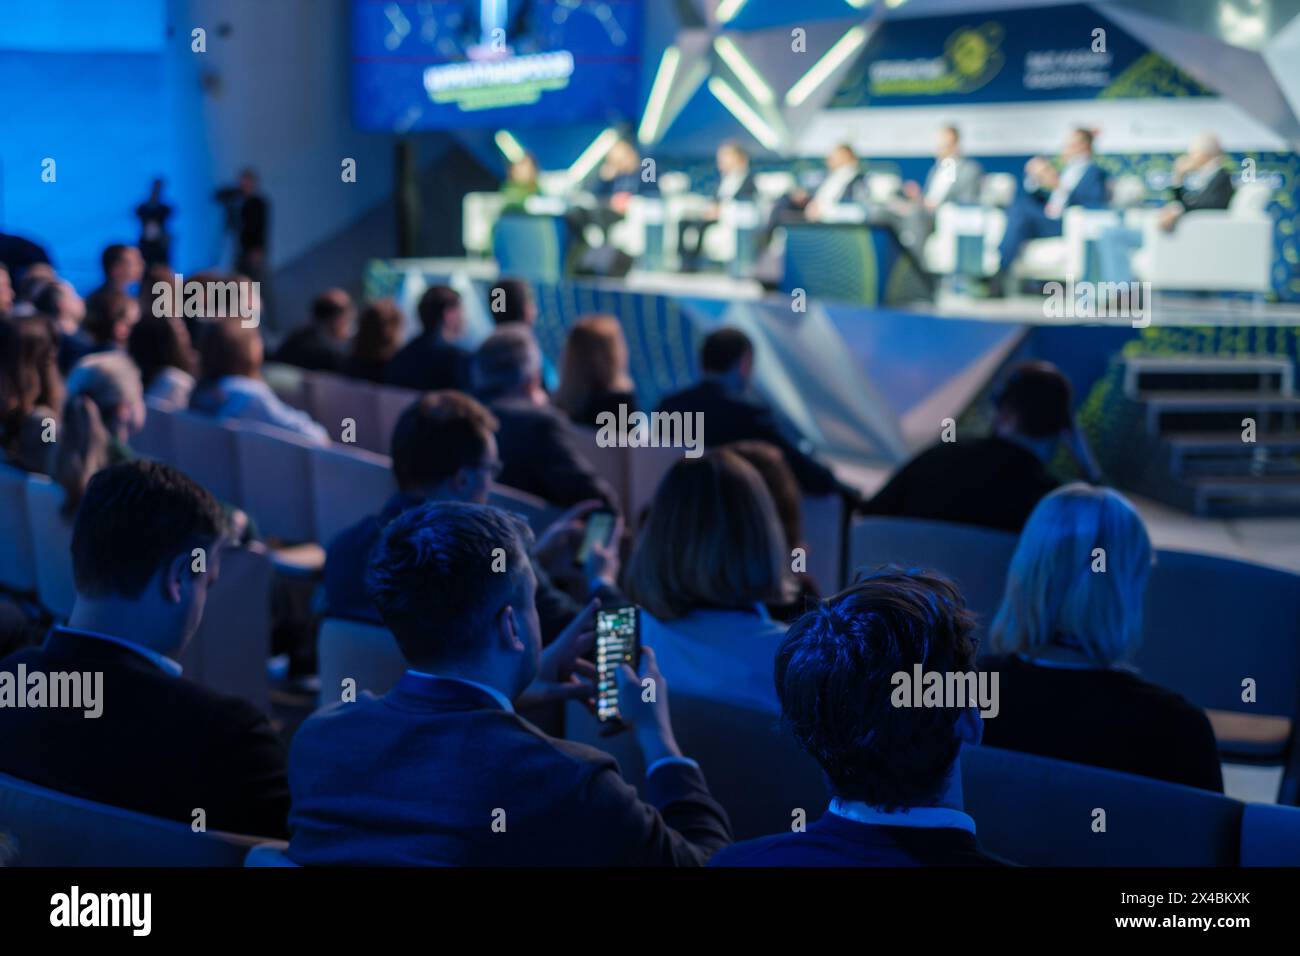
[
  {"x": 970, "y": 726},
  {"x": 507, "y": 632},
  {"x": 175, "y": 577},
  {"x": 460, "y": 481}
]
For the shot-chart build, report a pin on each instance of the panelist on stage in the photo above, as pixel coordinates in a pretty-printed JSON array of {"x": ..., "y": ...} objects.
[
  {"x": 735, "y": 184},
  {"x": 953, "y": 178}
]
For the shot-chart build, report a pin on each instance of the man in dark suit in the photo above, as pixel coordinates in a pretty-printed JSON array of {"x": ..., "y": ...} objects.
[
  {"x": 732, "y": 412},
  {"x": 444, "y": 449},
  {"x": 994, "y": 481},
  {"x": 321, "y": 344},
  {"x": 894, "y": 768},
  {"x": 538, "y": 454},
  {"x": 433, "y": 360},
  {"x": 1038, "y": 209},
  {"x": 146, "y": 547},
  {"x": 735, "y": 184},
  {"x": 442, "y": 770}
]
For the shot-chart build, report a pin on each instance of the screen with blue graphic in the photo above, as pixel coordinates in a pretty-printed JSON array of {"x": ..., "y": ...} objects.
[{"x": 448, "y": 64}]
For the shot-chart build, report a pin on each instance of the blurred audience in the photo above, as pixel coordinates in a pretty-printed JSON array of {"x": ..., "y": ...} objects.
[
  {"x": 709, "y": 558},
  {"x": 519, "y": 797},
  {"x": 432, "y": 360},
  {"x": 123, "y": 268},
  {"x": 231, "y": 386},
  {"x": 322, "y": 344},
  {"x": 379, "y": 336},
  {"x": 894, "y": 772},
  {"x": 107, "y": 327},
  {"x": 997, "y": 480},
  {"x": 31, "y": 393},
  {"x": 1070, "y": 618},
  {"x": 594, "y": 372},
  {"x": 733, "y": 412},
  {"x": 538, "y": 453},
  {"x": 157, "y": 743},
  {"x": 161, "y": 348}
]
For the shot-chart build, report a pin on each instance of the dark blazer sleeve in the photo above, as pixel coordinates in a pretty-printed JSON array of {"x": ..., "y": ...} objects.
[
  {"x": 251, "y": 775},
  {"x": 679, "y": 824},
  {"x": 1216, "y": 194},
  {"x": 1090, "y": 191},
  {"x": 748, "y": 189},
  {"x": 563, "y": 474}
]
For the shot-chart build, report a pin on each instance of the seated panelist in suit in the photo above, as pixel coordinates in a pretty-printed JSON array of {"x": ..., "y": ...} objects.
[
  {"x": 444, "y": 449},
  {"x": 1200, "y": 182},
  {"x": 894, "y": 771},
  {"x": 733, "y": 412},
  {"x": 538, "y": 453},
  {"x": 953, "y": 178},
  {"x": 1039, "y": 208},
  {"x": 735, "y": 184},
  {"x": 442, "y": 770},
  {"x": 154, "y": 742}
]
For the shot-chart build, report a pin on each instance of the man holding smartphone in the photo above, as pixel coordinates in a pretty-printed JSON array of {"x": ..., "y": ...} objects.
[{"x": 442, "y": 770}]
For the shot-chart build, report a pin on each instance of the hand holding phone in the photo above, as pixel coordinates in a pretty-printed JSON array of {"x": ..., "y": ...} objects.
[
  {"x": 618, "y": 642},
  {"x": 600, "y": 525}
]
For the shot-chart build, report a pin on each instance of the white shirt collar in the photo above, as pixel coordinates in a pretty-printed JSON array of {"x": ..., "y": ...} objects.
[
  {"x": 161, "y": 661},
  {"x": 492, "y": 692},
  {"x": 930, "y": 818}
]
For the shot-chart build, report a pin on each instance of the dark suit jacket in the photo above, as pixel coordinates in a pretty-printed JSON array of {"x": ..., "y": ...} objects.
[
  {"x": 1089, "y": 192},
  {"x": 420, "y": 776},
  {"x": 539, "y": 456},
  {"x": 834, "y": 841},
  {"x": 163, "y": 745},
  {"x": 729, "y": 417},
  {"x": 991, "y": 482},
  {"x": 747, "y": 192},
  {"x": 348, "y": 554},
  {"x": 1215, "y": 194},
  {"x": 308, "y": 347},
  {"x": 428, "y": 363}
]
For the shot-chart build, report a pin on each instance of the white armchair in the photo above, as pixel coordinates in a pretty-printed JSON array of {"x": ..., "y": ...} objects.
[
  {"x": 1065, "y": 256},
  {"x": 479, "y": 215},
  {"x": 1210, "y": 250}
]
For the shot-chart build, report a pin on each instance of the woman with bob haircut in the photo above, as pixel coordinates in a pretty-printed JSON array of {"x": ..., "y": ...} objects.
[
  {"x": 1071, "y": 616},
  {"x": 593, "y": 372},
  {"x": 710, "y": 556}
]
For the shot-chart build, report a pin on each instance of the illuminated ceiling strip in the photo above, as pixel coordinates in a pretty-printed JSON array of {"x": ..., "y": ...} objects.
[
  {"x": 857, "y": 4},
  {"x": 738, "y": 108},
  {"x": 844, "y": 48},
  {"x": 510, "y": 147},
  {"x": 593, "y": 154},
  {"x": 748, "y": 76},
  {"x": 727, "y": 9},
  {"x": 654, "y": 107}
]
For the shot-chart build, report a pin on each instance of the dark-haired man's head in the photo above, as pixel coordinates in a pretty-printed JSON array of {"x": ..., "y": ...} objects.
[
  {"x": 835, "y": 678},
  {"x": 454, "y": 584},
  {"x": 123, "y": 266},
  {"x": 334, "y": 314},
  {"x": 146, "y": 547},
  {"x": 728, "y": 355},
  {"x": 508, "y": 365},
  {"x": 441, "y": 313},
  {"x": 444, "y": 448},
  {"x": 1035, "y": 406},
  {"x": 511, "y": 300},
  {"x": 1078, "y": 144}
]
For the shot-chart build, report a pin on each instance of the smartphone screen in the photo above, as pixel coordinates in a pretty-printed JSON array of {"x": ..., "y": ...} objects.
[
  {"x": 600, "y": 524},
  {"x": 618, "y": 641}
]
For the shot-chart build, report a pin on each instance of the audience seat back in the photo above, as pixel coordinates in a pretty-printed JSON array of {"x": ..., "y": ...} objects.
[
  {"x": 366, "y": 653},
  {"x": 51, "y": 535},
  {"x": 391, "y": 402},
  {"x": 823, "y": 532},
  {"x": 17, "y": 552},
  {"x": 47, "y": 828},
  {"x": 976, "y": 559},
  {"x": 288, "y": 382},
  {"x": 347, "y": 484},
  {"x": 154, "y": 440},
  {"x": 275, "y": 469},
  {"x": 334, "y": 399},
  {"x": 206, "y": 449},
  {"x": 228, "y": 652},
  {"x": 646, "y": 467},
  {"x": 1270, "y": 835},
  {"x": 1036, "y": 811},
  {"x": 1210, "y": 622},
  {"x": 610, "y": 463}
]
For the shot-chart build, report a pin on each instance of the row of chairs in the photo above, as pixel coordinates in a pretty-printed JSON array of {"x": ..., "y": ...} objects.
[{"x": 1209, "y": 624}]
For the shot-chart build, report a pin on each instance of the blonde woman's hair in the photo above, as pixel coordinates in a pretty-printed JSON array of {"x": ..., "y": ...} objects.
[
  {"x": 98, "y": 387},
  {"x": 712, "y": 540},
  {"x": 1078, "y": 577},
  {"x": 595, "y": 360}
]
